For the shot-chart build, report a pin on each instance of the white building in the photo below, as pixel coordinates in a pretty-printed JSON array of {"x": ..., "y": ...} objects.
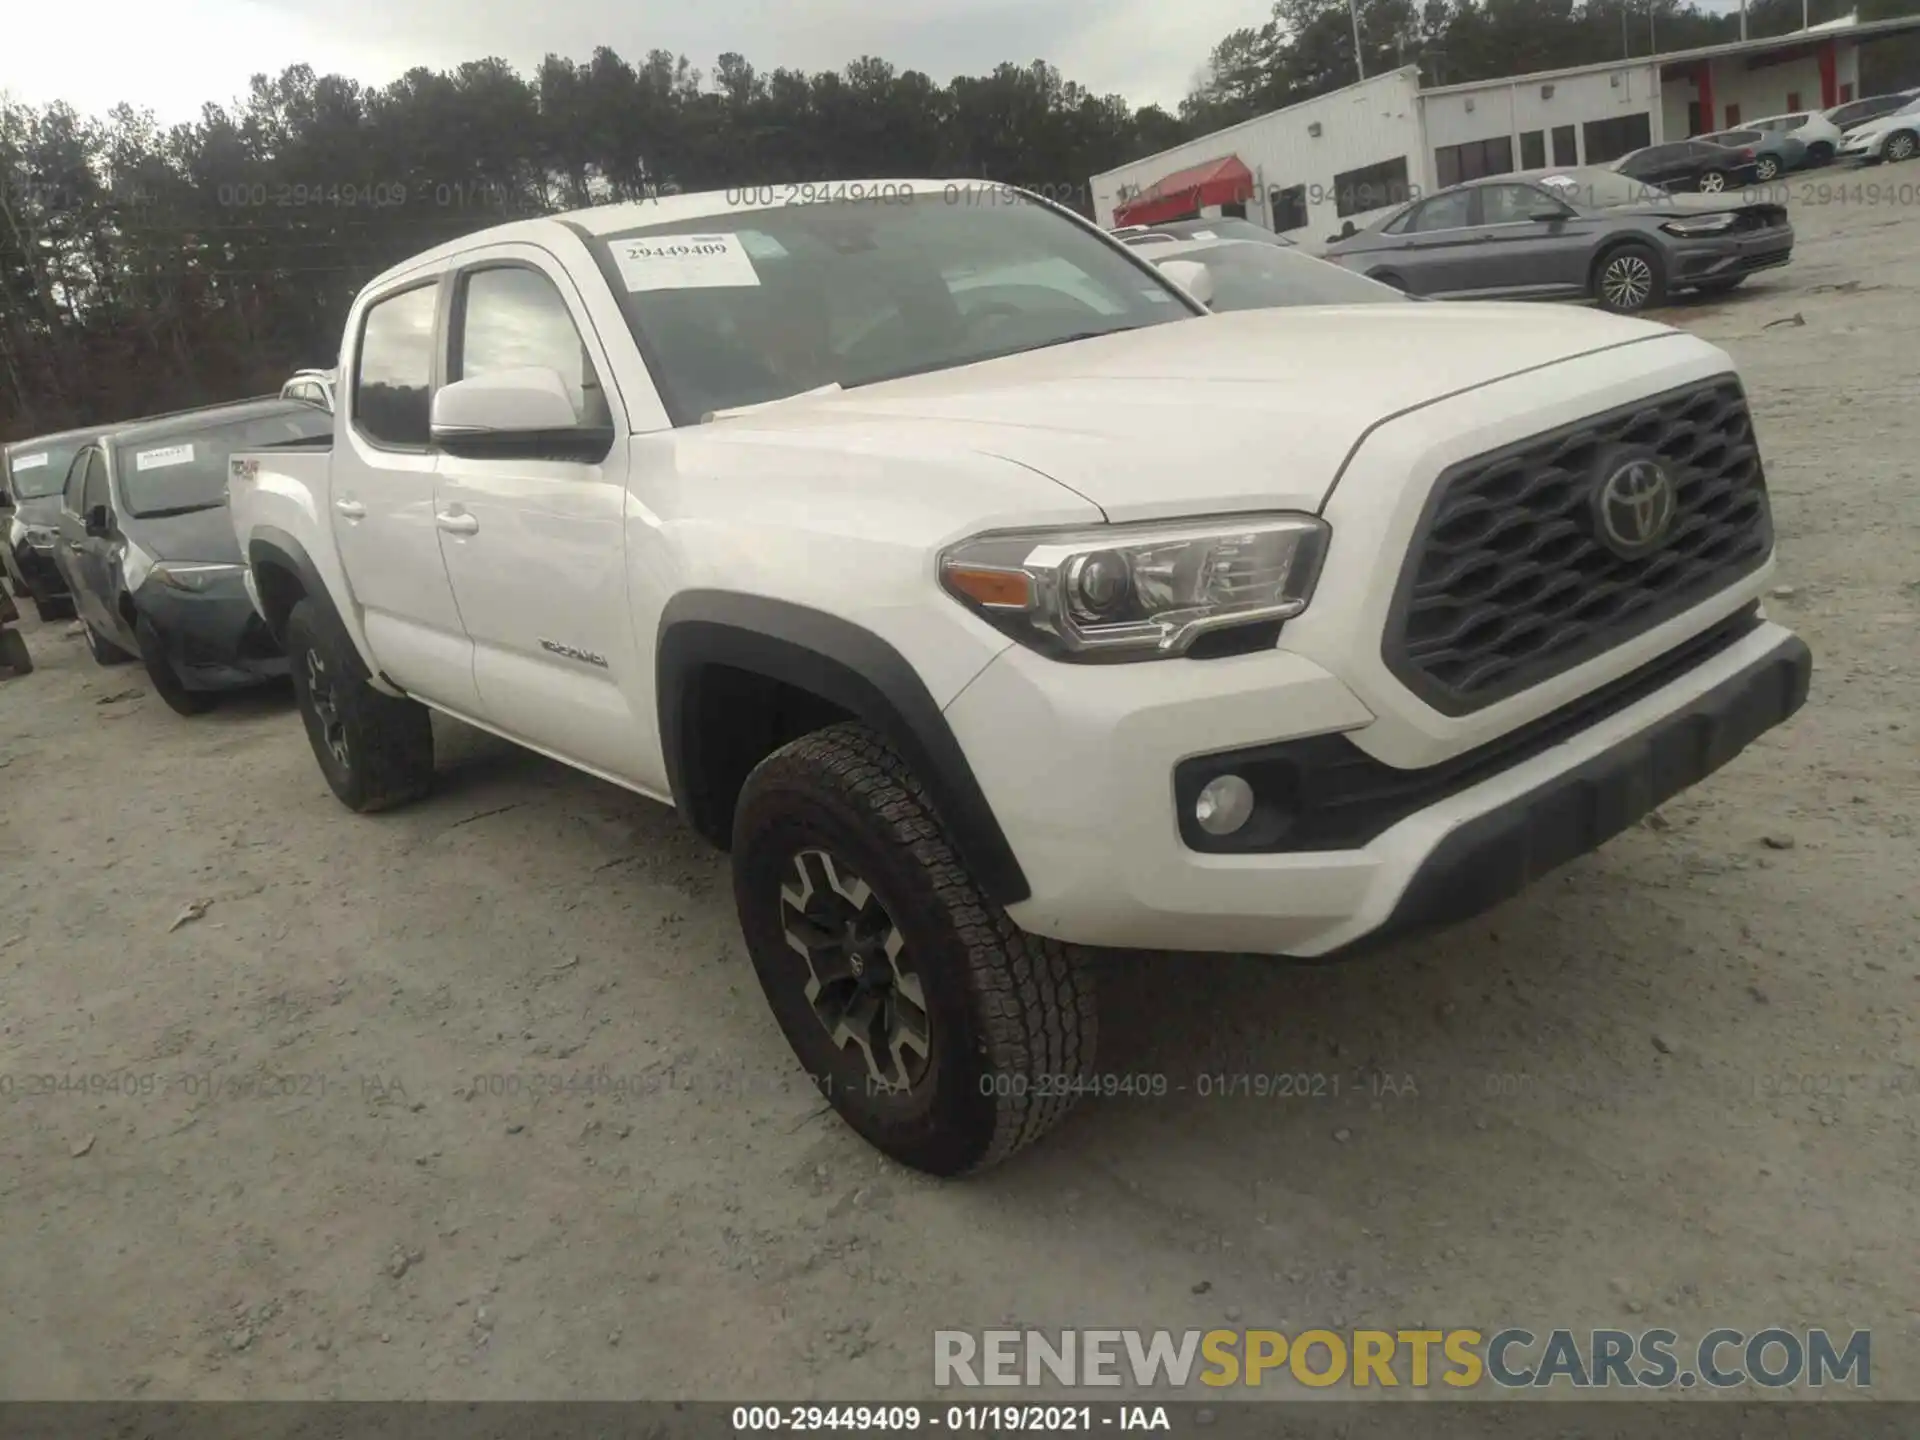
[{"x": 1347, "y": 156}]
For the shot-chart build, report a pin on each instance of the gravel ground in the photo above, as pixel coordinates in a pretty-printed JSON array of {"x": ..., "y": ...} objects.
[{"x": 480, "y": 1099}]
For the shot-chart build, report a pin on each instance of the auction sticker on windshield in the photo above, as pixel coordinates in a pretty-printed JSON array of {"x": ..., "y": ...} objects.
[
  {"x": 30, "y": 462},
  {"x": 160, "y": 459},
  {"x": 684, "y": 262}
]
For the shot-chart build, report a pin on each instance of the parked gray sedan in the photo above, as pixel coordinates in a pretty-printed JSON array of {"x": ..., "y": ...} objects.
[{"x": 1560, "y": 234}]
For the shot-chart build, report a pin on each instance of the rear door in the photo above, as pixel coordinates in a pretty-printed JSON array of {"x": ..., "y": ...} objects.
[
  {"x": 535, "y": 546},
  {"x": 1522, "y": 255},
  {"x": 382, "y": 498},
  {"x": 70, "y": 544},
  {"x": 1436, "y": 250},
  {"x": 99, "y": 556}
]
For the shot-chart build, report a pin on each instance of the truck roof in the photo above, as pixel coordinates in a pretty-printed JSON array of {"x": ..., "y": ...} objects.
[{"x": 672, "y": 209}]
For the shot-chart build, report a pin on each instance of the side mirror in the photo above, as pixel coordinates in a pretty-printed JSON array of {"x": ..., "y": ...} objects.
[
  {"x": 1192, "y": 277},
  {"x": 526, "y": 413},
  {"x": 99, "y": 521}
]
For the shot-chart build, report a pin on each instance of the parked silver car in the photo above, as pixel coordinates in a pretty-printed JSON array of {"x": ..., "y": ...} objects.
[{"x": 1562, "y": 234}]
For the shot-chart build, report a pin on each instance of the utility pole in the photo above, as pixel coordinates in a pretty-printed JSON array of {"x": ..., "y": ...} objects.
[
  {"x": 1743, "y": 19},
  {"x": 1626, "y": 45},
  {"x": 1359, "y": 63}
]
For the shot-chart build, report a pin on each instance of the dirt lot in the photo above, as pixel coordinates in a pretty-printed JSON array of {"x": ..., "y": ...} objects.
[{"x": 480, "y": 1099}]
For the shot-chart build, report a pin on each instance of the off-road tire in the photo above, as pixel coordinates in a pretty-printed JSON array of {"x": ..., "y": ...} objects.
[
  {"x": 1652, "y": 291},
  {"x": 14, "y": 655},
  {"x": 388, "y": 740},
  {"x": 166, "y": 681},
  {"x": 1011, "y": 1016},
  {"x": 103, "y": 650}
]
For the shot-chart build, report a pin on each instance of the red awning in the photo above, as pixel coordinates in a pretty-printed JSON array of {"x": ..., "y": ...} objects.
[{"x": 1218, "y": 182}]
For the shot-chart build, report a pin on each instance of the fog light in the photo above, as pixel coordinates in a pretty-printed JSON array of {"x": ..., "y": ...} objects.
[{"x": 1224, "y": 805}]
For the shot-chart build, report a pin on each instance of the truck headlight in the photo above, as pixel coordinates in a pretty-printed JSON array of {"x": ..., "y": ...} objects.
[
  {"x": 36, "y": 537},
  {"x": 195, "y": 577},
  {"x": 1136, "y": 592}
]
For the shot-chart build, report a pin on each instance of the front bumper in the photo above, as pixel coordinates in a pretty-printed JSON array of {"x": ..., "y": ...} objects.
[
  {"x": 33, "y": 571},
  {"x": 214, "y": 639},
  {"x": 1721, "y": 258},
  {"x": 1086, "y": 796},
  {"x": 1867, "y": 151}
]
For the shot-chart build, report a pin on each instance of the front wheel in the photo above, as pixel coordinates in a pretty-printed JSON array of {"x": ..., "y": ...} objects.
[
  {"x": 166, "y": 680},
  {"x": 1713, "y": 182},
  {"x": 1901, "y": 147},
  {"x": 938, "y": 1029},
  {"x": 14, "y": 654},
  {"x": 103, "y": 650},
  {"x": 376, "y": 750},
  {"x": 1629, "y": 279}
]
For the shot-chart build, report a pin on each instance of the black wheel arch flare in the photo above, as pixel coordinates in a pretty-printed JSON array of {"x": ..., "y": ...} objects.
[{"x": 839, "y": 662}]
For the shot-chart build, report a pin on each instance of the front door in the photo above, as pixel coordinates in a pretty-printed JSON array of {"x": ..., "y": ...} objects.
[
  {"x": 1523, "y": 255},
  {"x": 536, "y": 546},
  {"x": 383, "y": 510}
]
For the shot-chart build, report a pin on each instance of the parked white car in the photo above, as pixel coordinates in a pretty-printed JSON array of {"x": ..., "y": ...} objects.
[
  {"x": 313, "y": 386},
  {"x": 983, "y": 625},
  {"x": 1810, "y": 127},
  {"x": 1892, "y": 138},
  {"x": 1226, "y": 275}
]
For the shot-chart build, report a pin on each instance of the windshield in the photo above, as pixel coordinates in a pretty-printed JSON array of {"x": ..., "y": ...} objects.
[
  {"x": 187, "y": 469},
  {"x": 741, "y": 309},
  {"x": 37, "y": 471},
  {"x": 1260, "y": 277}
]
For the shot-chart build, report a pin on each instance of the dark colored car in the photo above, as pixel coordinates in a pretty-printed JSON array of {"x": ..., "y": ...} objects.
[
  {"x": 1562, "y": 234},
  {"x": 149, "y": 553},
  {"x": 1774, "y": 151},
  {"x": 31, "y": 473},
  {"x": 1697, "y": 165}
]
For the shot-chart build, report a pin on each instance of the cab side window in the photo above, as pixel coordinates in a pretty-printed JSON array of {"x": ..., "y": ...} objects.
[
  {"x": 94, "y": 489},
  {"x": 514, "y": 318},
  {"x": 75, "y": 484},
  {"x": 393, "y": 369},
  {"x": 1451, "y": 211}
]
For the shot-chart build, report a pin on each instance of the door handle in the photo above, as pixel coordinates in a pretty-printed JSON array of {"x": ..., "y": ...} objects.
[
  {"x": 456, "y": 523},
  {"x": 74, "y": 545},
  {"x": 352, "y": 509}
]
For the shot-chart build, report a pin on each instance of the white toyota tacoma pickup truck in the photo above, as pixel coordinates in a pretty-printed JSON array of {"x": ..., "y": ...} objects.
[{"x": 987, "y": 598}]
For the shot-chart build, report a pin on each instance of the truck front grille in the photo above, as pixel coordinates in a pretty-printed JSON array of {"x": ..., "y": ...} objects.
[{"x": 1511, "y": 580}]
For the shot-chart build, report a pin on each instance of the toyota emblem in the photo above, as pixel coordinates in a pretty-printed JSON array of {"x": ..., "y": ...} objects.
[{"x": 1634, "y": 503}]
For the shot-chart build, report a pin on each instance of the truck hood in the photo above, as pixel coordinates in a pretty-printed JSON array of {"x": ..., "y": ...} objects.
[{"x": 1251, "y": 409}]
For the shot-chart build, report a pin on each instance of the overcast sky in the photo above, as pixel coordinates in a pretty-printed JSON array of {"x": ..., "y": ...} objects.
[{"x": 173, "y": 56}]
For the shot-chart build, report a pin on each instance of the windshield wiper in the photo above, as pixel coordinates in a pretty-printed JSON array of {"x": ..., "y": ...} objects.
[{"x": 1074, "y": 338}]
